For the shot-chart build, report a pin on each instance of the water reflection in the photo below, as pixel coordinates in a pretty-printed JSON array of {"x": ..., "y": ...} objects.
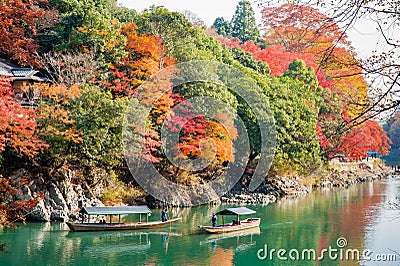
[
  {"x": 382, "y": 230},
  {"x": 359, "y": 213},
  {"x": 238, "y": 241}
]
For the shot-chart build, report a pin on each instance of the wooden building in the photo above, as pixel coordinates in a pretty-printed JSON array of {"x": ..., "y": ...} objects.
[{"x": 23, "y": 80}]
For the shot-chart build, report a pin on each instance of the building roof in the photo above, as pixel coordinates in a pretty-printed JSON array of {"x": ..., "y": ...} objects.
[
  {"x": 5, "y": 68},
  {"x": 236, "y": 211},
  {"x": 111, "y": 210},
  {"x": 23, "y": 72},
  {"x": 18, "y": 73}
]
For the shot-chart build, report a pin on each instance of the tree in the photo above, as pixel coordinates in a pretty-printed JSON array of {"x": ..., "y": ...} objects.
[
  {"x": 12, "y": 207},
  {"x": 100, "y": 118},
  {"x": 89, "y": 25},
  {"x": 22, "y": 23},
  {"x": 306, "y": 31},
  {"x": 382, "y": 67},
  {"x": 56, "y": 126},
  {"x": 170, "y": 29},
  {"x": 369, "y": 136},
  {"x": 124, "y": 14},
  {"x": 193, "y": 18},
  {"x": 300, "y": 28},
  {"x": 18, "y": 125},
  {"x": 83, "y": 128},
  {"x": 298, "y": 70},
  {"x": 71, "y": 68},
  {"x": 294, "y": 107},
  {"x": 246, "y": 59},
  {"x": 143, "y": 60},
  {"x": 222, "y": 27},
  {"x": 243, "y": 22}
]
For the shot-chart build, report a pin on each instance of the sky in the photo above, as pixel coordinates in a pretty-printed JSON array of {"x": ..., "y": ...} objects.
[
  {"x": 207, "y": 10},
  {"x": 364, "y": 38}
]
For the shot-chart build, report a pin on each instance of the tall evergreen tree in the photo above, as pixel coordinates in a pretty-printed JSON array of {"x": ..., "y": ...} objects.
[
  {"x": 222, "y": 27},
  {"x": 243, "y": 23}
]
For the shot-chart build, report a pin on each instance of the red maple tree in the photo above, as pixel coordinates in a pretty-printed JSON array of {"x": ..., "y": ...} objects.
[
  {"x": 17, "y": 124},
  {"x": 22, "y": 21},
  {"x": 367, "y": 137}
]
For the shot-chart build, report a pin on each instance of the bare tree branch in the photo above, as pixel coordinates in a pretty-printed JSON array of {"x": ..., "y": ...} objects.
[{"x": 71, "y": 68}]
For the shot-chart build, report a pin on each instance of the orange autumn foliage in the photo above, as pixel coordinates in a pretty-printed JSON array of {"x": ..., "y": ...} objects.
[
  {"x": 55, "y": 117},
  {"x": 144, "y": 60},
  {"x": 22, "y": 21},
  {"x": 208, "y": 139},
  {"x": 306, "y": 31},
  {"x": 301, "y": 28}
]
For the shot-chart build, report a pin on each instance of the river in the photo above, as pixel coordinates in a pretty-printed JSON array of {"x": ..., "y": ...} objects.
[{"x": 342, "y": 221}]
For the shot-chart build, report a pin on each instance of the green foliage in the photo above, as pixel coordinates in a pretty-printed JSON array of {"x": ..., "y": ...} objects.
[
  {"x": 89, "y": 24},
  {"x": 124, "y": 15},
  {"x": 295, "y": 121},
  {"x": 178, "y": 38},
  {"x": 172, "y": 29},
  {"x": 297, "y": 146},
  {"x": 200, "y": 46},
  {"x": 298, "y": 70},
  {"x": 243, "y": 22},
  {"x": 246, "y": 59},
  {"x": 222, "y": 27},
  {"x": 118, "y": 193},
  {"x": 100, "y": 118}
]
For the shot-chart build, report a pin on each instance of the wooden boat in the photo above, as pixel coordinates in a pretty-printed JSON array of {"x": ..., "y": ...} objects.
[
  {"x": 110, "y": 225},
  {"x": 236, "y": 224}
]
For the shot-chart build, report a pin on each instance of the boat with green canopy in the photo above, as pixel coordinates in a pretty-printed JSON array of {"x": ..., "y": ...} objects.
[
  {"x": 236, "y": 224},
  {"x": 85, "y": 223}
]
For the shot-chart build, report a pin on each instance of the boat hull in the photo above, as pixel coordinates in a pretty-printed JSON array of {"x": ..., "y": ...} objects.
[
  {"x": 119, "y": 226},
  {"x": 226, "y": 228}
]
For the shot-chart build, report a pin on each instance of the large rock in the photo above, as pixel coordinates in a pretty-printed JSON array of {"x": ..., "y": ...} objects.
[
  {"x": 62, "y": 199},
  {"x": 41, "y": 212},
  {"x": 249, "y": 198}
]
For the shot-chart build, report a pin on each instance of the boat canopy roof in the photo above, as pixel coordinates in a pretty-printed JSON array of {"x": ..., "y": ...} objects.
[
  {"x": 236, "y": 211},
  {"x": 111, "y": 210}
]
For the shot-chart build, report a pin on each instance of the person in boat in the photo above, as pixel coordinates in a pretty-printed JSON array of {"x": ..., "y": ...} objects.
[
  {"x": 214, "y": 220},
  {"x": 164, "y": 216}
]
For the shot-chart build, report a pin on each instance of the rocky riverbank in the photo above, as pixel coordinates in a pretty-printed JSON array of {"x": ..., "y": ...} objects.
[
  {"x": 63, "y": 199},
  {"x": 269, "y": 192},
  {"x": 343, "y": 180},
  {"x": 347, "y": 174},
  {"x": 281, "y": 186}
]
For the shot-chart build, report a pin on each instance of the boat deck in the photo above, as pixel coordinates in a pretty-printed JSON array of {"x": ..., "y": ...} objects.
[
  {"x": 231, "y": 227},
  {"x": 118, "y": 226}
]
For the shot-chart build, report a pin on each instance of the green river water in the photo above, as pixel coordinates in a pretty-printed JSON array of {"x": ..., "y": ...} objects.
[{"x": 359, "y": 214}]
